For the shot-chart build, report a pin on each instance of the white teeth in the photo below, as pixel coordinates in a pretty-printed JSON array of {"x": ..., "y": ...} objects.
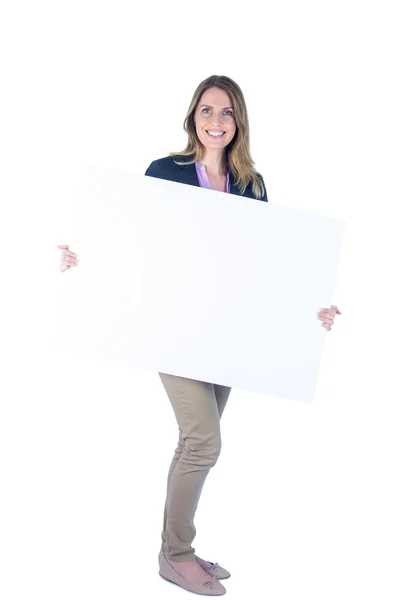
[{"x": 215, "y": 134}]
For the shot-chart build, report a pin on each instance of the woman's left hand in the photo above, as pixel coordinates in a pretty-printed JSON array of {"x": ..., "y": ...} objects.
[{"x": 326, "y": 315}]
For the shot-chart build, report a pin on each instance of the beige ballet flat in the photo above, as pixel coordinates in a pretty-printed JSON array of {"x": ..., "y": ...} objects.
[{"x": 211, "y": 588}]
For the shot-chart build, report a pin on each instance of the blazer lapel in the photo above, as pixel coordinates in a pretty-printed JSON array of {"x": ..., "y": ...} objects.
[{"x": 188, "y": 174}]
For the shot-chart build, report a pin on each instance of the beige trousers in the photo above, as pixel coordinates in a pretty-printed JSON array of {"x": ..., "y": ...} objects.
[{"x": 198, "y": 407}]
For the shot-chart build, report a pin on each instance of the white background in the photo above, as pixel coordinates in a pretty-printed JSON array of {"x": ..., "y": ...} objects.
[{"x": 305, "y": 496}]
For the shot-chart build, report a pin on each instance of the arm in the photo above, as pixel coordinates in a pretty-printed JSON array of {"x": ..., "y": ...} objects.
[
  {"x": 264, "y": 197},
  {"x": 153, "y": 170}
]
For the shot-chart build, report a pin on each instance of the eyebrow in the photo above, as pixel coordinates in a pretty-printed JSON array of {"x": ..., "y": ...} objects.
[{"x": 208, "y": 106}]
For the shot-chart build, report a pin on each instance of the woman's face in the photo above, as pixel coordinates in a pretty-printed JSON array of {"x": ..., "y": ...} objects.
[{"x": 214, "y": 114}]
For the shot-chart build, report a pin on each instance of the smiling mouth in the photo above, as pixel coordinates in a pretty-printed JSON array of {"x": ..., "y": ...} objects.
[{"x": 216, "y": 137}]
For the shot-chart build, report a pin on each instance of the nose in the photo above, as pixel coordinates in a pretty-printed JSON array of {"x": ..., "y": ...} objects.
[{"x": 216, "y": 122}]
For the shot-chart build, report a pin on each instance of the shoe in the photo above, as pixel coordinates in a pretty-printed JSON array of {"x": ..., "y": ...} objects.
[
  {"x": 211, "y": 588},
  {"x": 215, "y": 570}
]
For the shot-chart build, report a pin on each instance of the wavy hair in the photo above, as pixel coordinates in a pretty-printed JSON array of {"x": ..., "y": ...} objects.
[{"x": 237, "y": 158}]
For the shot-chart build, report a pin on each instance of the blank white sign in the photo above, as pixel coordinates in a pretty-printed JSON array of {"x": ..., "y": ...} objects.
[{"x": 197, "y": 283}]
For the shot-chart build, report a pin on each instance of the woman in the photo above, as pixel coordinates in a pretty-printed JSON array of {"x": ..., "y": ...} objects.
[{"x": 217, "y": 156}]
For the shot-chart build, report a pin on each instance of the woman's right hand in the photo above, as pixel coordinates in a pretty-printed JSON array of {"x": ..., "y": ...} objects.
[{"x": 68, "y": 258}]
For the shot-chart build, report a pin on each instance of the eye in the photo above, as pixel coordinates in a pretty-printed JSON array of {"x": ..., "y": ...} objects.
[{"x": 208, "y": 109}]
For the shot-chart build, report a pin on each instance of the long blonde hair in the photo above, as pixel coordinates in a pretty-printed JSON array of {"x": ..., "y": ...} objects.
[{"x": 237, "y": 158}]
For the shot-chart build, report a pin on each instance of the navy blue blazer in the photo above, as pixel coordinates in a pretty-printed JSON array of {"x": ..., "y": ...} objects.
[{"x": 166, "y": 168}]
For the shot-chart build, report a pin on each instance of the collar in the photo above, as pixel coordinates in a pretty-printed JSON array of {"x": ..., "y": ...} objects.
[{"x": 187, "y": 174}]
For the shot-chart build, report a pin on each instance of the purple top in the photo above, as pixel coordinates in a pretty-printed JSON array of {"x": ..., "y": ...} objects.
[{"x": 203, "y": 179}]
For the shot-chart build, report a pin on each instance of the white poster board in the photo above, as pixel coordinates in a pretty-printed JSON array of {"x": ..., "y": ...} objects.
[{"x": 207, "y": 285}]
